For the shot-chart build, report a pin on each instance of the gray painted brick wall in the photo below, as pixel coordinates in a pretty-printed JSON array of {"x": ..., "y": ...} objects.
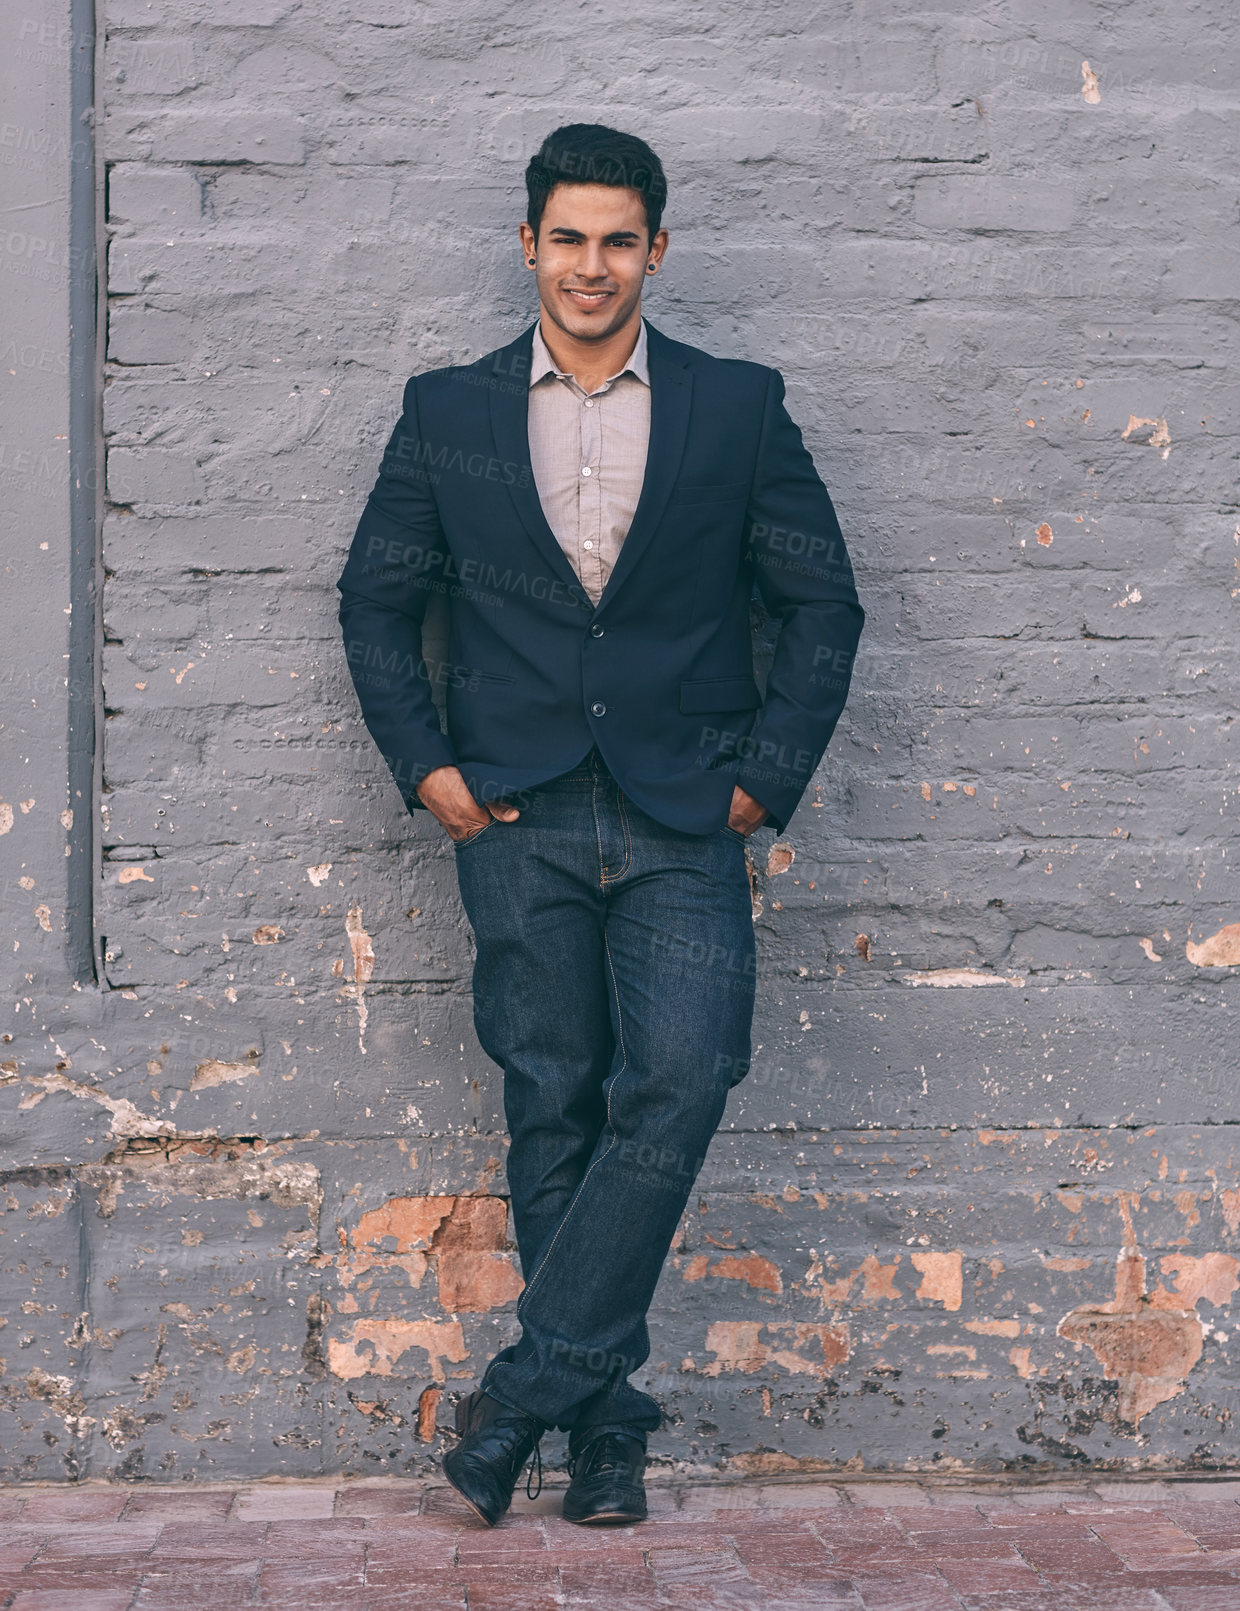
[{"x": 977, "y": 1204}]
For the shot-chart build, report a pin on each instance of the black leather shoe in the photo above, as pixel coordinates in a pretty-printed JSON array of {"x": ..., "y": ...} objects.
[
  {"x": 495, "y": 1443},
  {"x": 606, "y": 1485}
]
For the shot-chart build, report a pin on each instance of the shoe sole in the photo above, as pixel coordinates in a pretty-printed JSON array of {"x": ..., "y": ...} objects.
[
  {"x": 607, "y": 1518},
  {"x": 461, "y": 1492},
  {"x": 463, "y": 1407}
]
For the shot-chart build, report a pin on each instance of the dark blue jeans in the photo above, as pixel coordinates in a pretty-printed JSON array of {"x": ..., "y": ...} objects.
[{"x": 614, "y": 985}]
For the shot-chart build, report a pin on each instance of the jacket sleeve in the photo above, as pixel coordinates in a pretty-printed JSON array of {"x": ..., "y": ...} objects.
[
  {"x": 397, "y": 560},
  {"x": 805, "y": 579}
]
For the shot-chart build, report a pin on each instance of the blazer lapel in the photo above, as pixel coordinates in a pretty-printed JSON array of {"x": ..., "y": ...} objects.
[
  {"x": 671, "y": 396},
  {"x": 671, "y": 391},
  {"x": 510, "y": 412}
]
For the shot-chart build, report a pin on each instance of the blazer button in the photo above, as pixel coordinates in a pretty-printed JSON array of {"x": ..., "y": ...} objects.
[
  {"x": 598, "y": 708},
  {"x": 596, "y": 631}
]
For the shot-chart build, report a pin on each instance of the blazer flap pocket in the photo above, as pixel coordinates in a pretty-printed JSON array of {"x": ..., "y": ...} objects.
[
  {"x": 713, "y": 492},
  {"x": 719, "y": 693}
]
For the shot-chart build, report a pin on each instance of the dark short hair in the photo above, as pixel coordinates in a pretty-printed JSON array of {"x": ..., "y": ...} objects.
[{"x": 592, "y": 154}]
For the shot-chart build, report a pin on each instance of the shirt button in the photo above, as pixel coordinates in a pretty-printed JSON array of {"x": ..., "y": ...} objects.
[
  {"x": 585, "y": 470},
  {"x": 598, "y": 708},
  {"x": 588, "y": 543},
  {"x": 596, "y": 631},
  {"x": 589, "y": 403}
]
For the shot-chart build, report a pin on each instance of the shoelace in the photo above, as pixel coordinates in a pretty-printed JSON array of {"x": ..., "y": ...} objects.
[
  {"x": 535, "y": 1461},
  {"x": 610, "y": 1458}
]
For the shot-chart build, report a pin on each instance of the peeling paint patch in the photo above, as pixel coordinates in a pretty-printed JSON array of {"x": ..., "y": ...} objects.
[
  {"x": 1147, "y": 945},
  {"x": 65, "y": 1400},
  {"x": 318, "y": 874},
  {"x": 375, "y": 1347},
  {"x": 994, "y": 1328},
  {"x": 878, "y": 1282},
  {"x": 1045, "y": 535},
  {"x": 132, "y": 875},
  {"x": 409, "y": 1221},
  {"x": 737, "y": 1346},
  {"x": 1221, "y": 950},
  {"x": 127, "y": 1120},
  {"x": 1160, "y": 435},
  {"x": 428, "y": 1408},
  {"x": 941, "y": 1277},
  {"x": 1213, "y": 1276},
  {"x": 6, "y": 816},
  {"x": 363, "y": 966},
  {"x": 779, "y": 859},
  {"x": 1148, "y": 1352},
  {"x": 1150, "y": 1342},
  {"x": 267, "y": 934},
  {"x": 754, "y": 1270},
  {"x": 206, "y": 1167},
  {"x": 959, "y": 978},
  {"x": 1089, "y": 84},
  {"x": 463, "y": 1238},
  {"x": 213, "y": 1072}
]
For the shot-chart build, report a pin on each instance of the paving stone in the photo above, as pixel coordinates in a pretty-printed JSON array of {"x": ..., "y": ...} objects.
[
  {"x": 378, "y": 1501},
  {"x": 721, "y": 1497},
  {"x": 229, "y": 1541},
  {"x": 976, "y": 1577},
  {"x": 178, "y": 1506},
  {"x": 1215, "y": 1597},
  {"x": 16, "y": 1550},
  {"x": 272, "y": 1504},
  {"x": 214, "y": 1591},
  {"x": 885, "y": 1495},
  {"x": 1058, "y": 1598},
  {"x": 1148, "y": 1493},
  {"x": 71, "y": 1600},
  {"x": 801, "y": 1496},
  {"x": 921, "y": 1592},
  {"x": 73, "y": 1504}
]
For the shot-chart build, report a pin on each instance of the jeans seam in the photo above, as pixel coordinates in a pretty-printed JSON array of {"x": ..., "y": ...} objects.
[
  {"x": 624, "y": 1063},
  {"x": 628, "y": 842},
  {"x": 598, "y": 832}
]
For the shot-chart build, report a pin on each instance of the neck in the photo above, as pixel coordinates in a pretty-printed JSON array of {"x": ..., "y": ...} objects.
[{"x": 590, "y": 363}]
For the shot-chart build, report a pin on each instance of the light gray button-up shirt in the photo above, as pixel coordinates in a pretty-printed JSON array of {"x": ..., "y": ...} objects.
[{"x": 588, "y": 455}]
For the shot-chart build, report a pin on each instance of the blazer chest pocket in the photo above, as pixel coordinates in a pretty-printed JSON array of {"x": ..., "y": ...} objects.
[
  {"x": 714, "y": 492},
  {"x": 718, "y": 693}
]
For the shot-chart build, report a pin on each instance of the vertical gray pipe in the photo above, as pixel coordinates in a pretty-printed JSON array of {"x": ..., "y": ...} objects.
[{"x": 85, "y": 494}]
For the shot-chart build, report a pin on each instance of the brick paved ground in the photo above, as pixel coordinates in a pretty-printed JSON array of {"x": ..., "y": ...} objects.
[{"x": 862, "y": 1545}]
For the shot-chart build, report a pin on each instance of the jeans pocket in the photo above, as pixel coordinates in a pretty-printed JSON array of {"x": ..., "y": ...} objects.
[{"x": 459, "y": 844}]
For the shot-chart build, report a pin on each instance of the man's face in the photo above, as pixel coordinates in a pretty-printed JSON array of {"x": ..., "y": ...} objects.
[{"x": 592, "y": 255}]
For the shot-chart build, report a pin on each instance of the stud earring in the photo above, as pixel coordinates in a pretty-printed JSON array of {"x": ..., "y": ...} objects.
[
  {"x": 650, "y": 268},
  {"x": 530, "y": 261}
]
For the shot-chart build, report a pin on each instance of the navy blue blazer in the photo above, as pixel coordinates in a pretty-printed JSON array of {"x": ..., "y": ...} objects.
[{"x": 660, "y": 673}]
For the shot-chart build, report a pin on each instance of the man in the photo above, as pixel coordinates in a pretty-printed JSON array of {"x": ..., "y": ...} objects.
[{"x": 597, "y": 501}]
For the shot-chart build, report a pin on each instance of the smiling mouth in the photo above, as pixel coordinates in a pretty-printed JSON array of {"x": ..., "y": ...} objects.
[{"x": 590, "y": 297}]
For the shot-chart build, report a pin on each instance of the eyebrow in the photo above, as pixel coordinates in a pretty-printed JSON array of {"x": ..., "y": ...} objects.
[{"x": 610, "y": 235}]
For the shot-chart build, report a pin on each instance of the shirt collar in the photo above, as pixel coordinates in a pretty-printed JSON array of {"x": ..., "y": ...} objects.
[{"x": 542, "y": 363}]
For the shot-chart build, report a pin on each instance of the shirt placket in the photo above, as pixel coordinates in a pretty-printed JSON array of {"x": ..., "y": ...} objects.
[{"x": 590, "y": 495}]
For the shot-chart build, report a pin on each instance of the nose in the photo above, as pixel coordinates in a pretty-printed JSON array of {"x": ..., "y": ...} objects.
[{"x": 593, "y": 266}]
